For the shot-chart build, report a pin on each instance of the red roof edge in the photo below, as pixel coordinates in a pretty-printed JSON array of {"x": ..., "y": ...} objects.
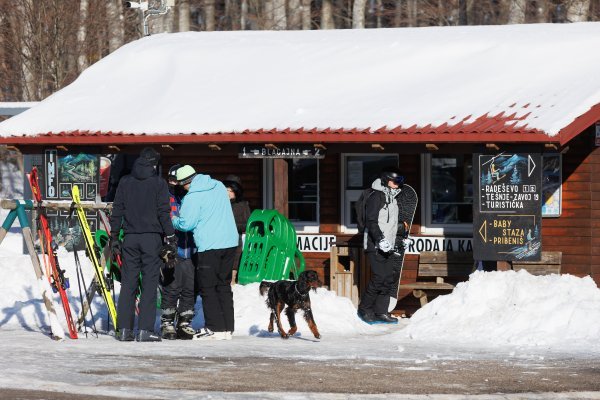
[{"x": 579, "y": 124}]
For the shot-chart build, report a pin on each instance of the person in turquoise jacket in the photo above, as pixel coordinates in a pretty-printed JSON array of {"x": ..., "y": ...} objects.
[{"x": 206, "y": 211}]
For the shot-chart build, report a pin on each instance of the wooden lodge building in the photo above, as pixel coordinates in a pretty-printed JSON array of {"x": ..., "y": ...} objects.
[{"x": 307, "y": 120}]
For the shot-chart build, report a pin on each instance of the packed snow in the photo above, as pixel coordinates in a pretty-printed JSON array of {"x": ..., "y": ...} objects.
[{"x": 194, "y": 82}]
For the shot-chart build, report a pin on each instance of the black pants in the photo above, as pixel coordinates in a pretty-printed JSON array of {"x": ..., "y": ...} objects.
[
  {"x": 178, "y": 284},
  {"x": 140, "y": 254},
  {"x": 376, "y": 298},
  {"x": 213, "y": 277}
]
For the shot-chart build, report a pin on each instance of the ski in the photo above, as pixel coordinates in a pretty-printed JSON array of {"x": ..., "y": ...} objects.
[
  {"x": 408, "y": 200},
  {"x": 92, "y": 252},
  {"x": 58, "y": 281}
]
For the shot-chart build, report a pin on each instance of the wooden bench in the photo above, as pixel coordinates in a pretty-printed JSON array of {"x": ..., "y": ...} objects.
[
  {"x": 549, "y": 264},
  {"x": 436, "y": 267},
  {"x": 440, "y": 265}
]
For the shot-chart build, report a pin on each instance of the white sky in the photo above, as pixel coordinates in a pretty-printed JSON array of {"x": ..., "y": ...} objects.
[{"x": 207, "y": 82}]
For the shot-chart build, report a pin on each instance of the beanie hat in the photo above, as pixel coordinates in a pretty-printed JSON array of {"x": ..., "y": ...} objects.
[
  {"x": 151, "y": 155},
  {"x": 233, "y": 178},
  {"x": 185, "y": 174}
]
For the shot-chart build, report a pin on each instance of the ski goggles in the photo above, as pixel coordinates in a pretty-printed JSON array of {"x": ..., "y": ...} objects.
[{"x": 398, "y": 180}]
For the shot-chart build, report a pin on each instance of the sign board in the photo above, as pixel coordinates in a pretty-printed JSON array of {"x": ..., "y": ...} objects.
[
  {"x": 58, "y": 173},
  {"x": 281, "y": 151},
  {"x": 315, "y": 243},
  {"x": 507, "y": 212},
  {"x": 598, "y": 133}
]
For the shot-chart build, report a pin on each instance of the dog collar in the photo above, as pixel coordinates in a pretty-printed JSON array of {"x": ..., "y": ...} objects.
[{"x": 297, "y": 291}]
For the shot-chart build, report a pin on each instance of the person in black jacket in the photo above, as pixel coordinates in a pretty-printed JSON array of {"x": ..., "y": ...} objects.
[
  {"x": 141, "y": 208},
  {"x": 241, "y": 213},
  {"x": 384, "y": 235}
]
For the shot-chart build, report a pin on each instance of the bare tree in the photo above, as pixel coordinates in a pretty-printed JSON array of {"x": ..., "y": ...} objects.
[
  {"x": 209, "y": 12},
  {"x": 306, "y": 15},
  {"x": 358, "y": 14},
  {"x": 184, "y": 15},
  {"x": 516, "y": 11},
  {"x": 82, "y": 62},
  {"x": 578, "y": 10},
  {"x": 327, "y": 15},
  {"x": 116, "y": 30},
  {"x": 294, "y": 14},
  {"x": 279, "y": 15},
  {"x": 412, "y": 13}
]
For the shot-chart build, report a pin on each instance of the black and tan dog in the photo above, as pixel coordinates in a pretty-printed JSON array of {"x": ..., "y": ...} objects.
[{"x": 294, "y": 295}]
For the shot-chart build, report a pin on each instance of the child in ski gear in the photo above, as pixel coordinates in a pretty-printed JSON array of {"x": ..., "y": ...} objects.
[
  {"x": 178, "y": 283},
  {"x": 141, "y": 208},
  {"x": 384, "y": 235},
  {"x": 207, "y": 212},
  {"x": 241, "y": 213}
]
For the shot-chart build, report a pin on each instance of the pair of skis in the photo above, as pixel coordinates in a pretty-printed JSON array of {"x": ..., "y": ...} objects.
[
  {"x": 99, "y": 283},
  {"x": 56, "y": 275}
]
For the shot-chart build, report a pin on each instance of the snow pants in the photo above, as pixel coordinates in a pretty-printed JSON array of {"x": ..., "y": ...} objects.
[
  {"x": 213, "y": 279},
  {"x": 178, "y": 284},
  {"x": 140, "y": 255},
  {"x": 376, "y": 298}
]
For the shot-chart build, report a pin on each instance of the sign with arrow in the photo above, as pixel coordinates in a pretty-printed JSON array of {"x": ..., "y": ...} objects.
[
  {"x": 507, "y": 208},
  {"x": 281, "y": 151}
]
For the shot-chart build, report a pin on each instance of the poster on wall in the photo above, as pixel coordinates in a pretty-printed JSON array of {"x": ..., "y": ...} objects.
[
  {"x": 58, "y": 173},
  {"x": 507, "y": 213},
  {"x": 551, "y": 185}
]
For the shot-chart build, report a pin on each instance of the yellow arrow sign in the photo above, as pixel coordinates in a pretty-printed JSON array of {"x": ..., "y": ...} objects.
[{"x": 483, "y": 231}]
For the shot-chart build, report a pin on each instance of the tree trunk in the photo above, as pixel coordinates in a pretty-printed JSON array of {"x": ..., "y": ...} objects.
[
  {"x": 306, "y": 15},
  {"x": 279, "y": 15},
  {"x": 209, "y": 15},
  {"x": 116, "y": 29},
  {"x": 295, "y": 14},
  {"x": 184, "y": 15},
  {"x": 358, "y": 14},
  {"x": 327, "y": 15},
  {"x": 398, "y": 13},
  {"x": 244, "y": 15},
  {"x": 412, "y": 14},
  {"x": 462, "y": 12},
  {"x": 542, "y": 13},
  {"x": 82, "y": 62},
  {"x": 268, "y": 18},
  {"x": 578, "y": 10},
  {"x": 516, "y": 11}
]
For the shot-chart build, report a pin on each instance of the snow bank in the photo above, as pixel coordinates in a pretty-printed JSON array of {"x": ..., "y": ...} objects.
[
  {"x": 512, "y": 307},
  {"x": 21, "y": 306},
  {"x": 333, "y": 314}
]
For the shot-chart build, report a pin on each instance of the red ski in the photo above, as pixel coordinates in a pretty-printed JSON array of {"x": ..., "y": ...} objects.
[{"x": 57, "y": 276}]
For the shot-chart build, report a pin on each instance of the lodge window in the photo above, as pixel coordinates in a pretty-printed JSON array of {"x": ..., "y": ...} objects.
[
  {"x": 359, "y": 172},
  {"x": 448, "y": 193},
  {"x": 303, "y": 191}
]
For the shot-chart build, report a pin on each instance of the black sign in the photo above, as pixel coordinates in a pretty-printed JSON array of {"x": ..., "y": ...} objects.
[
  {"x": 281, "y": 151},
  {"x": 507, "y": 208}
]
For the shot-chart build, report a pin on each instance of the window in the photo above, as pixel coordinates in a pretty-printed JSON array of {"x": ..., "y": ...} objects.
[
  {"x": 359, "y": 172},
  {"x": 303, "y": 190},
  {"x": 448, "y": 193}
]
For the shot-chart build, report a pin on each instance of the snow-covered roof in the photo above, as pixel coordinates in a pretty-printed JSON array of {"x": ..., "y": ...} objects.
[{"x": 518, "y": 82}]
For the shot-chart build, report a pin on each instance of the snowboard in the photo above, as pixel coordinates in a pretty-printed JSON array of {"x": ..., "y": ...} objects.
[
  {"x": 58, "y": 281},
  {"x": 408, "y": 201}
]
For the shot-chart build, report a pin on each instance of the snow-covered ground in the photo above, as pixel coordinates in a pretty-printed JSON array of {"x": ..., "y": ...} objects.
[{"x": 507, "y": 317}]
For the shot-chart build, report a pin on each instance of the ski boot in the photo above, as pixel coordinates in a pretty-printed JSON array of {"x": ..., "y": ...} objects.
[
  {"x": 167, "y": 327},
  {"x": 184, "y": 325}
]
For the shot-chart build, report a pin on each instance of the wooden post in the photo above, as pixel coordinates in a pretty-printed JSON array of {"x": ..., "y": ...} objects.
[{"x": 280, "y": 186}]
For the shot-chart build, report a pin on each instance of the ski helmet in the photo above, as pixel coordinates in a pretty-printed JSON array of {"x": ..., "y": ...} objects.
[{"x": 391, "y": 174}]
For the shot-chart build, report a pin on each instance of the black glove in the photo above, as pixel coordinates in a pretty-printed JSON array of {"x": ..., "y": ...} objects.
[
  {"x": 168, "y": 253},
  {"x": 115, "y": 247}
]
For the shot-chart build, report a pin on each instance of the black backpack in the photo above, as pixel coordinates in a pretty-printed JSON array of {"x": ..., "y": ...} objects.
[{"x": 361, "y": 208}]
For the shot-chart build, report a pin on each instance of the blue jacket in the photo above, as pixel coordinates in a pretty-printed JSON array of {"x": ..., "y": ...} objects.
[{"x": 206, "y": 210}]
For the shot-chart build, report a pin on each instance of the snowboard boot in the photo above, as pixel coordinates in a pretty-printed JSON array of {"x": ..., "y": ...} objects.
[
  {"x": 184, "y": 325},
  {"x": 167, "y": 324},
  {"x": 125, "y": 335},
  {"x": 386, "y": 318},
  {"x": 147, "y": 336}
]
